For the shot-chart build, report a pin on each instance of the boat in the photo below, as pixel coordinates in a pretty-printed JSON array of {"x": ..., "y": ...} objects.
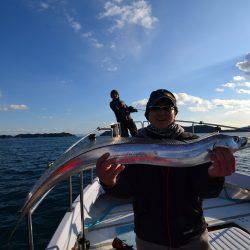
[{"x": 96, "y": 220}]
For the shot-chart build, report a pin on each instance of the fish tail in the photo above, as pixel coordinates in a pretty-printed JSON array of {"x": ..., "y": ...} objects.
[
  {"x": 18, "y": 221},
  {"x": 247, "y": 145}
]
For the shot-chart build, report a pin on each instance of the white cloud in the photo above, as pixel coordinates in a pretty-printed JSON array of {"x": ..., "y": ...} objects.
[
  {"x": 45, "y": 117},
  {"x": 194, "y": 103},
  {"x": 109, "y": 65},
  {"x": 245, "y": 84},
  {"x": 237, "y": 81},
  {"x": 44, "y": 6},
  {"x": 238, "y": 112},
  {"x": 245, "y": 65},
  {"x": 113, "y": 46},
  {"x": 112, "y": 68},
  {"x": 243, "y": 91},
  {"x": 122, "y": 18},
  {"x": 219, "y": 90},
  {"x": 232, "y": 103},
  {"x": 140, "y": 103},
  {"x": 239, "y": 78},
  {"x": 183, "y": 98},
  {"x": 217, "y": 107},
  {"x": 18, "y": 107},
  {"x": 197, "y": 104},
  {"x": 87, "y": 34},
  {"x": 199, "y": 109},
  {"x": 40, "y": 6},
  {"x": 90, "y": 37},
  {"x": 13, "y": 107},
  {"x": 95, "y": 43},
  {"x": 229, "y": 85},
  {"x": 76, "y": 26},
  {"x": 136, "y": 13},
  {"x": 58, "y": 6}
]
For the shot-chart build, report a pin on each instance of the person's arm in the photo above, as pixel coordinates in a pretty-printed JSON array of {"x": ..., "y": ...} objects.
[
  {"x": 116, "y": 110},
  {"x": 208, "y": 179},
  {"x": 113, "y": 107},
  {"x": 115, "y": 179},
  {"x": 204, "y": 185}
]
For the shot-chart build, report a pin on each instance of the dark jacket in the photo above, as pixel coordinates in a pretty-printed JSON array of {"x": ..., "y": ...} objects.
[
  {"x": 167, "y": 202},
  {"x": 122, "y": 114}
]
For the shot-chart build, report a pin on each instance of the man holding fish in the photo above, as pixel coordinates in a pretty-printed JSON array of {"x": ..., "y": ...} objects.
[{"x": 167, "y": 202}]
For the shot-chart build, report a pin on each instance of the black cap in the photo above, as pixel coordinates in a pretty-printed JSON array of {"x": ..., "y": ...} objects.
[
  {"x": 161, "y": 94},
  {"x": 113, "y": 92}
]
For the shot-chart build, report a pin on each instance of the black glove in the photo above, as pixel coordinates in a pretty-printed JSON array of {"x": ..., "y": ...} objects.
[{"x": 132, "y": 109}]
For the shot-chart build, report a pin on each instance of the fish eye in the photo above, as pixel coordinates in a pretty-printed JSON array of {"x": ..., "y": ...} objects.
[{"x": 236, "y": 139}]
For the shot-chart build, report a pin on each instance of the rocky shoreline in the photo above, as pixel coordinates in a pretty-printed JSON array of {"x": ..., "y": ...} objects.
[{"x": 37, "y": 135}]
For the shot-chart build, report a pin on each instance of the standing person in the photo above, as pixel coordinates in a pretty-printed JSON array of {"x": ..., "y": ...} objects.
[
  {"x": 167, "y": 202},
  {"x": 122, "y": 113}
]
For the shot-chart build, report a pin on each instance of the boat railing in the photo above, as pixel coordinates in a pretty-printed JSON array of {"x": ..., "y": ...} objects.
[
  {"x": 115, "y": 130},
  {"x": 193, "y": 123}
]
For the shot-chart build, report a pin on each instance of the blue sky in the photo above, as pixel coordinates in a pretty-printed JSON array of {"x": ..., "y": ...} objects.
[{"x": 61, "y": 58}]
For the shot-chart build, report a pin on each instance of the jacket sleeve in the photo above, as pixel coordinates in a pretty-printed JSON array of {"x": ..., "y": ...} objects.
[
  {"x": 113, "y": 107},
  {"x": 123, "y": 188},
  {"x": 204, "y": 185},
  {"x": 116, "y": 110}
]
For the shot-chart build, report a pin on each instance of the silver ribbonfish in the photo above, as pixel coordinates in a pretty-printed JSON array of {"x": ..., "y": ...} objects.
[{"x": 169, "y": 153}]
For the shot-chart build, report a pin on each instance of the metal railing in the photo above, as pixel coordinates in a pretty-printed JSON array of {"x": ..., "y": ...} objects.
[{"x": 115, "y": 131}]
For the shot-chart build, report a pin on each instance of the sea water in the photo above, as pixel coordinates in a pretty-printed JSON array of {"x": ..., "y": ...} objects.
[{"x": 22, "y": 162}]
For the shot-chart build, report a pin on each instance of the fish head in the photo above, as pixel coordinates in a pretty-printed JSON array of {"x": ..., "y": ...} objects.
[{"x": 234, "y": 143}]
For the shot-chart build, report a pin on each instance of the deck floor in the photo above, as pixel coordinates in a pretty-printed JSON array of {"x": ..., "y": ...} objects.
[{"x": 114, "y": 218}]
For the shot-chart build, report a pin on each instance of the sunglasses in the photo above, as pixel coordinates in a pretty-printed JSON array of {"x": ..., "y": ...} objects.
[{"x": 159, "y": 108}]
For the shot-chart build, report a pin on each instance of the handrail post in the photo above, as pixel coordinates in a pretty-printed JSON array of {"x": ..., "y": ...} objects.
[
  {"x": 31, "y": 242},
  {"x": 140, "y": 123},
  {"x": 145, "y": 122},
  {"x": 70, "y": 194},
  {"x": 82, "y": 241},
  {"x": 81, "y": 202},
  {"x": 92, "y": 175},
  {"x": 193, "y": 127}
]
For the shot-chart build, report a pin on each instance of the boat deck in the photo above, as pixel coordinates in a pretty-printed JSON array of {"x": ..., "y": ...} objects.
[
  {"x": 226, "y": 221},
  {"x": 107, "y": 217}
]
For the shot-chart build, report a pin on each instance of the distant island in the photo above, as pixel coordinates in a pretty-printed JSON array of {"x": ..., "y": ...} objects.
[{"x": 63, "y": 134}]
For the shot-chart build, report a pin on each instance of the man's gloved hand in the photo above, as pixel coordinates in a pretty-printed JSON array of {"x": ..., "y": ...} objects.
[
  {"x": 132, "y": 109},
  {"x": 224, "y": 163},
  {"x": 107, "y": 171}
]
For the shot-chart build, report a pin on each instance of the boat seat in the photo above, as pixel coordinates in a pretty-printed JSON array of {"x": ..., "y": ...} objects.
[{"x": 231, "y": 238}]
